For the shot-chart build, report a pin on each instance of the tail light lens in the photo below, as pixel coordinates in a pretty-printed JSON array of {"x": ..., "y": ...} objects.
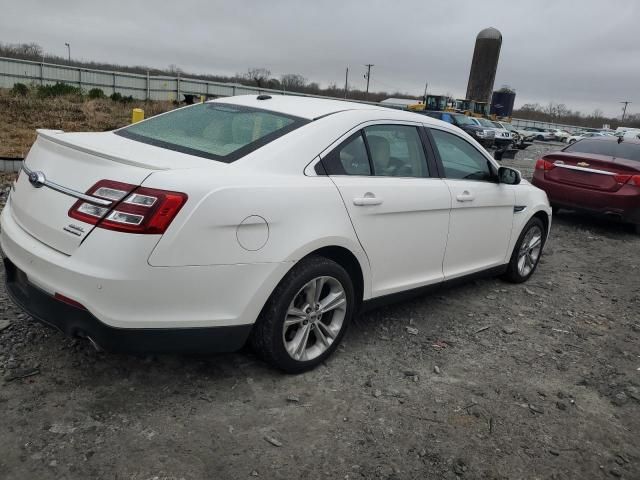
[
  {"x": 133, "y": 209},
  {"x": 621, "y": 178},
  {"x": 636, "y": 180},
  {"x": 545, "y": 165}
]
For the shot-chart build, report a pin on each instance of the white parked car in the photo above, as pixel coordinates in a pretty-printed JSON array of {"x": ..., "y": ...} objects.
[
  {"x": 560, "y": 135},
  {"x": 503, "y": 137},
  {"x": 540, "y": 133},
  {"x": 581, "y": 135},
  {"x": 268, "y": 219},
  {"x": 523, "y": 137}
]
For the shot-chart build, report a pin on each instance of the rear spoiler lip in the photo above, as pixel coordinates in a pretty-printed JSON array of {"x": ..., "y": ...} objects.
[{"x": 54, "y": 136}]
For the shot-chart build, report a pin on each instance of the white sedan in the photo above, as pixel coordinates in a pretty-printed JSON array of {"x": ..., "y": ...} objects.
[
  {"x": 268, "y": 219},
  {"x": 580, "y": 136}
]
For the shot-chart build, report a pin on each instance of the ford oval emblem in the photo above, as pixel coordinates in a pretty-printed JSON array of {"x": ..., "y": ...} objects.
[{"x": 37, "y": 179}]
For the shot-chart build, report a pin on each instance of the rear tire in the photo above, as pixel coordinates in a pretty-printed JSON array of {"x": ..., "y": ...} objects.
[
  {"x": 540, "y": 137},
  {"x": 312, "y": 332},
  {"x": 527, "y": 252}
]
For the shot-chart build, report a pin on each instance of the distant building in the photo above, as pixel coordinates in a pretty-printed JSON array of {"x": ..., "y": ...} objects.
[{"x": 400, "y": 102}]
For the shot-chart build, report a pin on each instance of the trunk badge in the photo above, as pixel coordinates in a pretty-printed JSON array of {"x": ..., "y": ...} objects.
[
  {"x": 582, "y": 164},
  {"x": 37, "y": 179}
]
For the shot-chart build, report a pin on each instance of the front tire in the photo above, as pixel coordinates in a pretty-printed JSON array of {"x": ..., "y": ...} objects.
[
  {"x": 527, "y": 252},
  {"x": 306, "y": 316}
]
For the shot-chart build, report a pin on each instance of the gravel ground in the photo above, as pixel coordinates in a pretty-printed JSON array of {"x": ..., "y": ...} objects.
[{"x": 501, "y": 381}]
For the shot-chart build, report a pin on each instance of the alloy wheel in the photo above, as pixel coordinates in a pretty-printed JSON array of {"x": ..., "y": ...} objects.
[
  {"x": 314, "y": 318},
  {"x": 530, "y": 249}
]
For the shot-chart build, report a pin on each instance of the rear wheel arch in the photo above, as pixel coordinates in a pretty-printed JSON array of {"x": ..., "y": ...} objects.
[{"x": 347, "y": 260}]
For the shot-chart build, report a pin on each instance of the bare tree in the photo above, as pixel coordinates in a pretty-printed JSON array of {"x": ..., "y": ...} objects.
[
  {"x": 258, "y": 75},
  {"x": 293, "y": 81},
  {"x": 175, "y": 70}
]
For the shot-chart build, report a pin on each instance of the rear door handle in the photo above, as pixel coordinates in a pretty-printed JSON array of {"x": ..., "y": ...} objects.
[
  {"x": 465, "y": 197},
  {"x": 368, "y": 199}
]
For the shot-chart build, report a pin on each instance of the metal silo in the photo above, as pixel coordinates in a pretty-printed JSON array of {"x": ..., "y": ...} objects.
[{"x": 484, "y": 65}]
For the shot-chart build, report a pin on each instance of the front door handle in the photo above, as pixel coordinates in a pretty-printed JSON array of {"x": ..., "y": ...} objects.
[
  {"x": 465, "y": 197},
  {"x": 368, "y": 199}
]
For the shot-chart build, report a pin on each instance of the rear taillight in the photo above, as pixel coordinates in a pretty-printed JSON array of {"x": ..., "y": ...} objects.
[
  {"x": 621, "y": 178},
  {"x": 133, "y": 209},
  {"x": 545, "y": 165},
  {"x": 635, "y": 180}
]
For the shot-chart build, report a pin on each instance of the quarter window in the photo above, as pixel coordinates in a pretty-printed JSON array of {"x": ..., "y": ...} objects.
[{"x": 460, "y": 159}]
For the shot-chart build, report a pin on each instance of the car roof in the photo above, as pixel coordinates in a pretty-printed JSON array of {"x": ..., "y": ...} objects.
[
  {"x": 611, "y": 138},
  {"x": 310, "y": 108}
]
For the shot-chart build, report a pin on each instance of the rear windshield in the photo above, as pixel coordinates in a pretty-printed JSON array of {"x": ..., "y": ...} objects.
[
  {"x": 610, "y": 148},
  {"x": 216, "y": 131}
]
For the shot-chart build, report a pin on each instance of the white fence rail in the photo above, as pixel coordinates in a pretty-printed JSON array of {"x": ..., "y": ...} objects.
[
  {"x": 138, "y": 86},
  {"x": 521, "y": 123},
  {"x": 143, "y": 87}
]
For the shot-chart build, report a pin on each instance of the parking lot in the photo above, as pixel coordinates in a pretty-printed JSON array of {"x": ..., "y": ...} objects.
[{"x": 494, "y": 381}]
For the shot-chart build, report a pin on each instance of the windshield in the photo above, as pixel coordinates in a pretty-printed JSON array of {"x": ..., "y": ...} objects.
[
  {"x": 485, "y": 123},
  {"x": 509, "y": 127},
  {"x": 497, "y": 125},
  {"x": 462, "y": 120},
  {"x": 610, "y": 148},
  {"x": 216, "y": 131}
]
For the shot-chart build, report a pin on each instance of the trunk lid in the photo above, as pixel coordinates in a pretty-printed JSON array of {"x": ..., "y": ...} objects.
[
  {"x": 72, "y": 163},
  {"x": 596, "y": 172}
]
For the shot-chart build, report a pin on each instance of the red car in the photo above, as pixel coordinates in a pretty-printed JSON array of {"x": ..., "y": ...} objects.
[{"x": 599, "y": 175}]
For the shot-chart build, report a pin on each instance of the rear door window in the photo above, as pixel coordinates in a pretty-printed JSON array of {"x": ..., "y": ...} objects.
[
  {"x": 349, "y": 158},
  {"x": 396, "y": 151},
  {"x": 381, "y": 151}
]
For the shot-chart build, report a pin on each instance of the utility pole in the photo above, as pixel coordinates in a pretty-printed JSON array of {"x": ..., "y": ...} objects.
[
  {"x": 368, "y": 76},
  {"x": 346, "y": 82},
  {"x": 425, "y": 93},
  {"x": 624, "y": 110},
  {"x": 68, "y": 50}
]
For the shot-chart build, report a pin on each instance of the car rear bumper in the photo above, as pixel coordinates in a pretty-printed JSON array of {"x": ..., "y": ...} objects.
[
  {"x": 74, "y": 321},
  {"x": 623, "y": 204},
  {"x": 109, "y": 275}
]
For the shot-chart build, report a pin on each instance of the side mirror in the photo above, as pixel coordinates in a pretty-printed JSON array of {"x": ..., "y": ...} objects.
[{"x": 509, "y": 176}]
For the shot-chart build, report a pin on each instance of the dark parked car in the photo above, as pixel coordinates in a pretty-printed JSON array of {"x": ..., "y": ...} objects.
[
  {"x": 484, "y": 136},
  {"x": 598, "y": 175}
]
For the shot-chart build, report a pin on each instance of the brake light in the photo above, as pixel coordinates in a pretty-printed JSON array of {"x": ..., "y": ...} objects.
[
  {"x": 545, "y": 165},
  {"x": 636, "y": 180},
  {"x": 621, "y": 178},
  {"x": 132, "y": 209}
]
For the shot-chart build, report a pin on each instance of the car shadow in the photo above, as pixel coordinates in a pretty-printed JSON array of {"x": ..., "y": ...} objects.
[{"x": 607, "y": 226}]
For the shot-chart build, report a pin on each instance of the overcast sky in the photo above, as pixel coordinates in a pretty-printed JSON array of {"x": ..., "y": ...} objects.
[{"x": 585, "y": 54}]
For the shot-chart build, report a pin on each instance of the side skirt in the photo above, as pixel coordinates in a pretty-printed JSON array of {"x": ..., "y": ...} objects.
[{"x": 378, "y": 302}]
